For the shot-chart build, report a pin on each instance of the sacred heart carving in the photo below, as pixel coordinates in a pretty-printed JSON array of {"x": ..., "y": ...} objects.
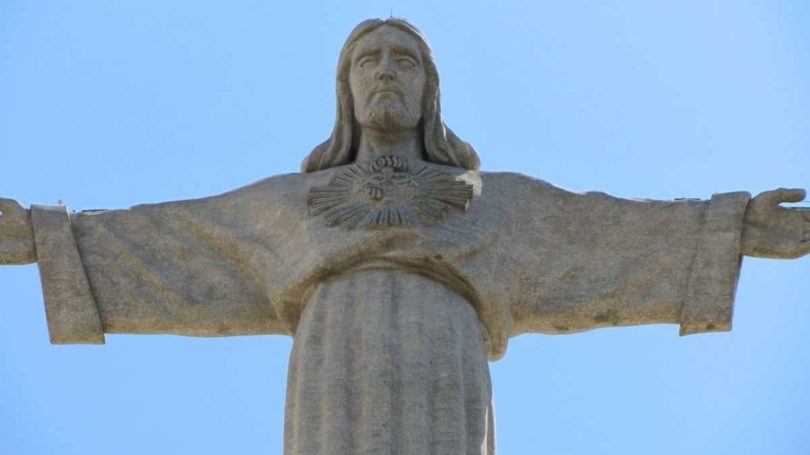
[{"x": 390, "y": 191}]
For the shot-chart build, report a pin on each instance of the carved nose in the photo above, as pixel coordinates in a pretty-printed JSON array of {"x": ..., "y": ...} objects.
[
  {"x": 386, "y": 70},
  {"x": 386, "y": 74}
]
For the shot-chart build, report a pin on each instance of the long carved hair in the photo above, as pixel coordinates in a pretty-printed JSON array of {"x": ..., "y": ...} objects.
[{"x": 442, "y": 146}]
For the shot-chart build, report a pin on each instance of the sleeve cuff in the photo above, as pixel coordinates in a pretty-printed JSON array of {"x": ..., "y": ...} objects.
[
  {"x": 70, "y": 308},
  {"x": 709, "y": 302}
]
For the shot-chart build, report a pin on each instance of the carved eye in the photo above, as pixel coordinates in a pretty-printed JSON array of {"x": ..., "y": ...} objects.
[
  {"x": 365, "y": 62},
  {"x": 406, "y": 62}
]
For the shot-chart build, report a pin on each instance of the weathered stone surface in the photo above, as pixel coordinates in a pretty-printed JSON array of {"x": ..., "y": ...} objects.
[
  {"x": 391, "y": 191},
  {"x": 69, "y": 303},
  {"x": 396, "y": 265},
  {"x": 538, "y": 259}
]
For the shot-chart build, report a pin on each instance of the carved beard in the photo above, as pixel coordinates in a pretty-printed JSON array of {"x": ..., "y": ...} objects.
[{"x": 388, "y": 114}]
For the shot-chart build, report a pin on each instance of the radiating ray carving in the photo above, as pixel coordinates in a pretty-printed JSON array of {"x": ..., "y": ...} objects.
[{"x": 389, "y": 191}]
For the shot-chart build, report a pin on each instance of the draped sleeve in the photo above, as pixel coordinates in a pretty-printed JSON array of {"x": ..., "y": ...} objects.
[
  {"x": 578, "y": 261},
  {"x": 196, "y": 267}
]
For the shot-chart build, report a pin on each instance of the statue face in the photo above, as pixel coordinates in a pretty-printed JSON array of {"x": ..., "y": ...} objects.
[{"x": 387, "y": 79}]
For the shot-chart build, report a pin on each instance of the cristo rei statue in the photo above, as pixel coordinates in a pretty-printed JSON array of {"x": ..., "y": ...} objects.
[{"x": 398, "y": 268}]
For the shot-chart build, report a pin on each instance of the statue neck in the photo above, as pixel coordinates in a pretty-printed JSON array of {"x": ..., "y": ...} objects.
[{"x": 374, "y": 144}]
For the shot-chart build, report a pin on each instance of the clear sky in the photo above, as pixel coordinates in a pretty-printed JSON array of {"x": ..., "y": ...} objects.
[{"x": 110, "y": 104}]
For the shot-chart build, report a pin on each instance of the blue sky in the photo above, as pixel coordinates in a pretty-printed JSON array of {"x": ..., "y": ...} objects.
[{"x": 110, "y": 104}]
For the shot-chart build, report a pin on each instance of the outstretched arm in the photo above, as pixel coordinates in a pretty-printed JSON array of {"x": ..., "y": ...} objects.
[
  {"x": 640, "y": 262},
  {"x": 16, "y": 234},
  {"x": 773, "y": 231},
  {"x": 195, "y": 267},
  {"x": 591, "y": 260}
]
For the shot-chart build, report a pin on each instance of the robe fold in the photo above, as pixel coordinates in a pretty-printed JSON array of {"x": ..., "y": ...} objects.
[{"x": 392, "y": 327}]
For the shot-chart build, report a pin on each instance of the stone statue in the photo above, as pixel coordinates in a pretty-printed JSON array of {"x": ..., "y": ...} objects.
[{"x": 397, "y": 267}]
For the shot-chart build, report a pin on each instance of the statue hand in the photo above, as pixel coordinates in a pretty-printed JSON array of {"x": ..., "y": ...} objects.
[
  {"x": 16, "y": 234},
  {"x": 772, "y": 231}
]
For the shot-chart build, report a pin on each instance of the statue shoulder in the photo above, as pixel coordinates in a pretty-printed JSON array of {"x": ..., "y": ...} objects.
[
  {"x": 283, "y": 190},
  {"x": 282, "y": 186},
  {"x": 277, "y": 183},
  {"x": 274, "y": 189},
  {"x": 515, "y": 184}
]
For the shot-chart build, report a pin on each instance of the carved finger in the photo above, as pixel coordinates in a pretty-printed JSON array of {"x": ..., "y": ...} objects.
[
  {"x": 5, "y": 204},
  {"x": 9, "y": 206},
  {"x": 791, "y": 195},
  {"x": 775, "y": 197}
]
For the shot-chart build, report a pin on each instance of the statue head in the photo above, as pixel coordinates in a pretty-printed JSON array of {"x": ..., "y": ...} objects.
[
  {"x": 407, "y": 109},
  {"x": 387, "y": 81}
]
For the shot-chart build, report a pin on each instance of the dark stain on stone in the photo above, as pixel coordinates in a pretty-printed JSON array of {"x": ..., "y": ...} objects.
[{"x": 610, "y": 316}]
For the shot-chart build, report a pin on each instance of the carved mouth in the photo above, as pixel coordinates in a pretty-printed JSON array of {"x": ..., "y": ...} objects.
[{"x": 387, "y": 92}]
